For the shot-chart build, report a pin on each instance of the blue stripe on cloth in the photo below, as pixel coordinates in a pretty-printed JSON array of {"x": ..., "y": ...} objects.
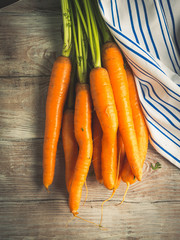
[
  {"x": 140, "y": 26},
  {"x": 155, "y": 108},
  {"x": 173, "y": 23},
  {"x": 165, "y": 23},
  {"x": 162, "y": 132},
  {"x": 167, "y": 48},
  {"x": 165, "y": 129},
  {"x": 161, "y": 100},
  {"x": 164, "y": 150},
  {"x": 119, "y": 25},
  {"x": 149, "y": 30},
  {"x": 112, "y": 13},
  {"x": 131, "y": 20},
  {"x": 159, "y": 103},
  {"x": 166, "y": 89}
]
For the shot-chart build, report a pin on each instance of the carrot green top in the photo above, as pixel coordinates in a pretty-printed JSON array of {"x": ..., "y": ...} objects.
[
  {"x": 67, "y": 28},
  {"x": 93, "y": 35},
  {"x": 71, "y": 92},
  {"x": 101, "y": 24},
  {"x": 81, "y": 16},
  {"x": 80, "y": 42}
]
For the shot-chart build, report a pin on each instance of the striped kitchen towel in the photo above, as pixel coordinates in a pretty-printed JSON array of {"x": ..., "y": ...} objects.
[{"x": 148, "y": 33}]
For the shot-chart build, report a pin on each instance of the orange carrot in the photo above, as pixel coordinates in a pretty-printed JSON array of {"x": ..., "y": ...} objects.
[
  {"x": 82, "y": 117},
  {"x": 103, "y": 100},
  {"x": 140, "y": 128},
  {"x": 105, "y": 108},
  {"x": 97, "y": 138},
  {"x": 83, "y": 134},
  {"x": 70, "y": 145},
  {"x": 57, "y": 92},
  {"x": 121, "y": 156},
  {"x": 113, "y": 62}
]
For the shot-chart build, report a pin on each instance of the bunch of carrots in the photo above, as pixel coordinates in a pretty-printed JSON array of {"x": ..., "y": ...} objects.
[{"x": 92, "y": 99}]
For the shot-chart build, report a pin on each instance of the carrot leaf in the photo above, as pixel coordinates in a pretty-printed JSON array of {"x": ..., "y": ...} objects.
[
  {"x": 76, "y": 2},
  {"x": 71, "y": 91},
  {"x": 101, "y": 24},
  {"x": 156, "y": 166},
  {"x": 93, "y": 34},
  {"x": 67, "y": 28},
  {"x": 81, "y": 44}
]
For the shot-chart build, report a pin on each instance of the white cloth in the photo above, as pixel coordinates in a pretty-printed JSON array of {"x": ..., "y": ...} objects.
[{"x": 148, "y": 33}]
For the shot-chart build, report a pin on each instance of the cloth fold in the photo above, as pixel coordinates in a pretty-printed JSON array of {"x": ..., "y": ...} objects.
[{"x": 148, "y": 34}]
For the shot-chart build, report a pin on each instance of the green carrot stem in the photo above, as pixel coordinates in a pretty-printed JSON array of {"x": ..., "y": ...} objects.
[
  {"x": 93, "y": 34},
  {"x": 71, "y": 92},
  {"x": 67, "y": 28},
  {"x": 101, "y": 24},
  {"x": 90, "y": 34},
  {"x": 81, "y": 16},
  {"x": 74, "y": 32},
  {"x": 80, "y": 47}
]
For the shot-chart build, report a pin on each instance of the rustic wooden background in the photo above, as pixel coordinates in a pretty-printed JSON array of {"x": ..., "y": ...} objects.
[{"x": 30, "y": 40}]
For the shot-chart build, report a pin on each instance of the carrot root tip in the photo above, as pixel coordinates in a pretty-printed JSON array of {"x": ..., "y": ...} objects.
[
  {"x": 139, "y": 178},
  {"x": 47, "y": 188},
  {"x": 124, "y": 195},
  {"x": 75, "y": 213},
  {"x": 86, "y": 192}
]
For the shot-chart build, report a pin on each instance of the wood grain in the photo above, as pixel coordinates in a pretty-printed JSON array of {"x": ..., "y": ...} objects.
[
  {"x": 22, "y": 107},
  {"x": 47, "y": 220},
  {"x": 25, "y": 7},
  {"x": 30, "y": 40},
  {"x": 30, "y": 43},
  {"x": 21, "y": 168}
]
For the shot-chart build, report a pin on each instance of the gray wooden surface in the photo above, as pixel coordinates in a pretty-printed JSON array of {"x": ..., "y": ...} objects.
[{"x": 30, "y": 40}]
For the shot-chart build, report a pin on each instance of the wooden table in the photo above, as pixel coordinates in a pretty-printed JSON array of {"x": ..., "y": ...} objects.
[{"x": 30, "y": 40}]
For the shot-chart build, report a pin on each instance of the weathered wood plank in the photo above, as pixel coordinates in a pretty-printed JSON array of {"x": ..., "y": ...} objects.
[
  {"x": 22, "y": 107},
  {"x": 33, "y": 6},
  {"x": 21, "y": 177},
  {"x": 47, "y": 220},
  {"x": 30, "y": 40},
  {"x": 30, "y": 44}
]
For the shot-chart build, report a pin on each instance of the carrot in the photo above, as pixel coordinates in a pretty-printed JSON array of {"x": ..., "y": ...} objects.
[
  {"x": 97, "y": 138},
  {"x": 105, "y": 108},
  {"x": 113, "y": 62},
  {"x": 57, "y": 92},
  {"x": 69, "y": 145},
  {"x": 83, "y": 134},
  {"x": 82, "y": 118},
  {"x": 104, "y": 104},
  {"x": 121, "y": 156},
  {"x": 140, "y": 128}
]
